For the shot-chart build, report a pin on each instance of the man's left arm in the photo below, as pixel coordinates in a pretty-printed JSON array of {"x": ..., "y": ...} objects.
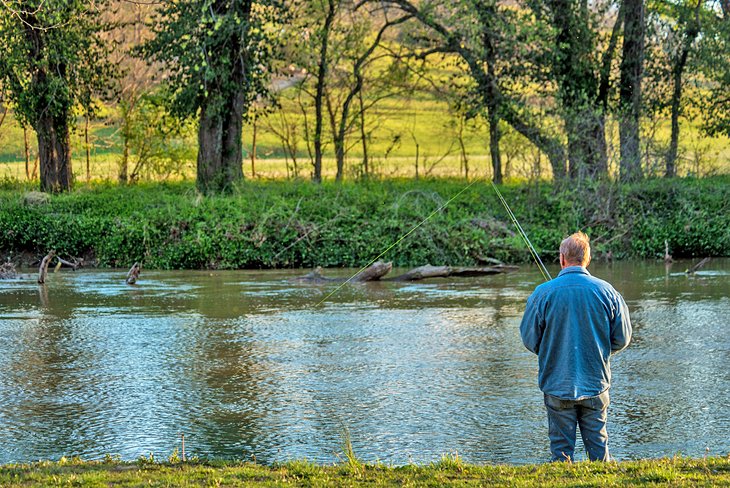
[{"x": 620, "y": 325}]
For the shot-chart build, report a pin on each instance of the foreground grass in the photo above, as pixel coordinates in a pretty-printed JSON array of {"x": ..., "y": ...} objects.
[{"x": 450, "y": 471}]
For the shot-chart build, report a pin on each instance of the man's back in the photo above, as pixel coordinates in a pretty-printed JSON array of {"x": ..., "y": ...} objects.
[{"x": 573, "y": 323}]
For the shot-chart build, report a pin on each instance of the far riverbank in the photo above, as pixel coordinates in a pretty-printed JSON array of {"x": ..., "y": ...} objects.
[{"x": 285, "y": 224}]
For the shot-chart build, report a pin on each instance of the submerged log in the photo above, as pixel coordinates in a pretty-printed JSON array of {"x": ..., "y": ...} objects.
[
  {"x": 380, "y": 269},
  {"x": 372, "y": 273},
  {"x": 7, "y": 271},
  {"x": 133, "y": 274},
  {"x": 43, "y": 271},
  {"x": 697, "y": 266},
  {"x": 428, "y": 271},
  {"x": 667, "y": 257},
  {"x": 75, "y": 264}
]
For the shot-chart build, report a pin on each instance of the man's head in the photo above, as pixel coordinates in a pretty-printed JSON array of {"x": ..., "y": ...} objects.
[{"x": 575, "y": 250}]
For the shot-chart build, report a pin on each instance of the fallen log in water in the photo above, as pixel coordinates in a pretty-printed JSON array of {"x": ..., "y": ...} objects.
[
  {"x": 7, "y": 271},
  {"x": 43, "y": 271},
  {"x": 372, "y": 273},
  {"x": 379, "y": 269},
  {"x": 697, "y": 266},
  {"x": 428, "y": 271},
  {"x": 75, "y": 264},
  {"x": 133, "y": 274}
]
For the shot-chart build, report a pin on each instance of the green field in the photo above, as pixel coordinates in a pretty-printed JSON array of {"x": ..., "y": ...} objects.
[
  {"x": 400, "y": 129},
  {"x": 450, "y": 471}
]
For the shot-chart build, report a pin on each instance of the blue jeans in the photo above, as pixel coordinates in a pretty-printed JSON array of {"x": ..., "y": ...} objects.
[{"x": 589, "y": 414}]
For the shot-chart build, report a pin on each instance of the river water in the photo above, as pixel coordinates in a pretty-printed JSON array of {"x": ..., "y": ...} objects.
[{"x": 247, "y": 365}]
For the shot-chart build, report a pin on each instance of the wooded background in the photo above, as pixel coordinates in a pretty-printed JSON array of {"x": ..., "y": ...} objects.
[{"x": 215, "y": 89}]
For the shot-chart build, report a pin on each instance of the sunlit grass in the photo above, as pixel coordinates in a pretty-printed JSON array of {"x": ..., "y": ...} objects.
[
  {"x": 449, "y": 471},
  {"x": 409, "y": 137}
]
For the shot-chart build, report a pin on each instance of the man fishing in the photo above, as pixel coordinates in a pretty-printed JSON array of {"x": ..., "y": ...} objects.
[{"x": 574, "y": 323}]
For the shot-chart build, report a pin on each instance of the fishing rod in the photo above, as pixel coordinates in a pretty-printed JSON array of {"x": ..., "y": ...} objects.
[{"x": 523, "y": 234}]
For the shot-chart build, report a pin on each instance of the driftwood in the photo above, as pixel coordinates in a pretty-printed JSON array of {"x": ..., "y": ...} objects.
[
  {"x": 379, "y": 269},
  {"x": 7, "y": 271},
  {"x": 43, "y": 271},
  {"x": 667, "y": 257},
  {"x": 428, "y": 271},
  {"x": 371, "y": 273},
  {"x": 133, "y": 274},
  {"x": 75, "y": 264},
  {"x": 697, "y": 266}
]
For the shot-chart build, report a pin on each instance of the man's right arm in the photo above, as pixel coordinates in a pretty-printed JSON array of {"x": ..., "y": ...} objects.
[{"x": 533, "y": 324}]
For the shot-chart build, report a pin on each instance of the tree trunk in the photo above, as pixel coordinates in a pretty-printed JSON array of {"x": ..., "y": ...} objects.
[
  {"x": 253, "y": 148},
  {"x": 671, "y": 161},
  {"x": 488, "y": 15},
  {"x": 363, "y": 135},
  {"x": 220, "y": 157},
  {"x": 339, "y": 143},
  {"x": 690, "y": 33},
  {"x": 496, "y": 156},
  {"x": 605, "y": 75},
  {"x": 551, "y": 146},
  {"x": 126, "y": 108},
  {"x": 586, "y": 142},
  {"x": 88, "y": 149},
  {"x": 27, "y": 153},
  {"x": 124, "y": 166},
  {"x": 630, "y": 90},
  {"x": 578, "y": 90},
  {"x": 54, "y": 153},
  {"x": 52, "y": 116},
  {"x": 220, "y": 146},
  {"x": 210, "y": 146},
  {"x": 322, "y": 68},
  {"x": 232, "y": 150}
]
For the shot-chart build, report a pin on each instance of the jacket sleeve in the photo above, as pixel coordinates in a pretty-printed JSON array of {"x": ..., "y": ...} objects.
[
  {"x": 620, "y": 326},
  {"x": 533, "y": 324}
]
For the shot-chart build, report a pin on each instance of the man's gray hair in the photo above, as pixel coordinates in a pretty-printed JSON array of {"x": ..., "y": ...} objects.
[{"x": 576, "y": 249}]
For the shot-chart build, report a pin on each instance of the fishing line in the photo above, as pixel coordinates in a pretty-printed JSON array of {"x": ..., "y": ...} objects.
[
  {"x": 523, "y": 234},
  {"x": 397, "y": 242},
  {"x": 533, "y": 252}
]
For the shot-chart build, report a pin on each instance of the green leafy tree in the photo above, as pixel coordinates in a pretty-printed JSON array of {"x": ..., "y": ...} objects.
[
  {"x": 157, "y": 144},
  {"x": 713, "y": 61},
  {"x": 217, "y": 54},
  {"x": 502, "y": 48},
  {"x": 53, "y": 60},
  {"x": 689, "y": 66}
]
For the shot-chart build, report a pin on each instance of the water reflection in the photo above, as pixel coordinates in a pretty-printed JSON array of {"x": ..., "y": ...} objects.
[{"x": 245, "y": 363}]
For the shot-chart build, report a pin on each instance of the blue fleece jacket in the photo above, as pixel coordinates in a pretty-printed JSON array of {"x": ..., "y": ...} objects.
[{"x": 574, "y": 323}]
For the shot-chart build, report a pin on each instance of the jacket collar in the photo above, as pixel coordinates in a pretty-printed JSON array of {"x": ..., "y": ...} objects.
[{"x": 574, "y": 269}]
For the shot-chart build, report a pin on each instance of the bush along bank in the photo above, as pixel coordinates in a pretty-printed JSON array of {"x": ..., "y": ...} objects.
[{"x": 276, "y": 224}]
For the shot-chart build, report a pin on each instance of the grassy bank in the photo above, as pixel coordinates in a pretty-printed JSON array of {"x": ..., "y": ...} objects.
[
  {"x": 298, "y": 224},
  {"x": 449, "y": 471}
]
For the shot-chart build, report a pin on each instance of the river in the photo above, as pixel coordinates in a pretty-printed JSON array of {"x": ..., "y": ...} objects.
[{"x": 246, "y": 365}]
